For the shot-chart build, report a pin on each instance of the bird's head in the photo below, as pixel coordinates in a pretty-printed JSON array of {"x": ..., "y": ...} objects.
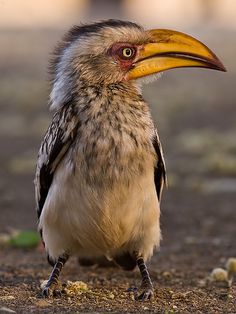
[{"x": 117, "y": 51}]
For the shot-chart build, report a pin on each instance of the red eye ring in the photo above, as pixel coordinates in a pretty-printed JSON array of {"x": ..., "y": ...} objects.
[{"x": 123, "y": 51}]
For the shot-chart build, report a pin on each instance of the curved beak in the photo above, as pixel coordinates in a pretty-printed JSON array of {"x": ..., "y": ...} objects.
[{"x": 169, "y": 49}]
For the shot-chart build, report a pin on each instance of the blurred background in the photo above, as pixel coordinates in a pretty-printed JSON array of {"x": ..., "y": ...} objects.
[{"x": 195, "y": 110}]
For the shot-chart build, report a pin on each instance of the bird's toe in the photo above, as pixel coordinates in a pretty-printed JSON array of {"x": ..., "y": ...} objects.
[
  {"x": 47, "y": 292},
  {"x": 145, "y": 295},
  {"x": 57, "y": 293}
]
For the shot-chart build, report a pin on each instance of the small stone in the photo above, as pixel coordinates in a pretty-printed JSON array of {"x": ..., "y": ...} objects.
[
  {"x": 42, "y": 303},
  {"x": 231, "y": 265},
  {"x": 111, "y": 296},
  {"x": 43, "y": 283},
  {"x": 202, "y": 283},
  {"x": 166, "y": 274},
  {"x": 219, "y": 274},
  {"x": 7, "y": 297},
  {"x": 75, "y": 288},
  {"x": 6, "y": 310}
]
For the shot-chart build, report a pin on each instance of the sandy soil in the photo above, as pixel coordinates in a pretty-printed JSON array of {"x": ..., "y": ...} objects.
[{"x": 194, "y": 243}]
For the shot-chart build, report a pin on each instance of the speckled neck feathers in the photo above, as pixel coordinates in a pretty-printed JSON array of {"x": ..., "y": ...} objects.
[{"x": 114, "y": 135}]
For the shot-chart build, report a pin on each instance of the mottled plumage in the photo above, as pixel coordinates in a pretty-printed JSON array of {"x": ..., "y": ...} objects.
[
  {"x": 100, "y": 169},
  {"x": 107, "y": 146}
]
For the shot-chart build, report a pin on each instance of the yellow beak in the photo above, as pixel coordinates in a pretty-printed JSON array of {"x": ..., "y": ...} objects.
[{"x": 169, "y": 49}]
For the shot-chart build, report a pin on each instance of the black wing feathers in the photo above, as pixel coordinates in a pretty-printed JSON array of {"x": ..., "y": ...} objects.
[
  {"x": 160, "y": 169},
  {"x": 46, "y": 173},
  {"x": 56, "y": 143}
]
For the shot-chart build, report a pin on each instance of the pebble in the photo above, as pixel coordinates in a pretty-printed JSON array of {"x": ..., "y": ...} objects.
[
  {"x": 111, "y": 296},
  {"x": 42, "y": 303},
  {"x": 166, "y": 274},
  {"x": 75, "y": 288},
  {"x": 6, "y": 310},
  {"x": 7, "y": 297},
  {"x": 43, "y": 283},
  {"x": 231, "y": 265},
  {"x": 219, "y": 274}
]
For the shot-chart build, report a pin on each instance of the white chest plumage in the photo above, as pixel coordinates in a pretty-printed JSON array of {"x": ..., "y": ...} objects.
[
  {"x": 79, "y": 219},
  {"x": 106, "y": 202}
]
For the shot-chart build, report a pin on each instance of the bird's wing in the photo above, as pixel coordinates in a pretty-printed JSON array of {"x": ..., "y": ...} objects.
[
  {"x": 160, "y": 168},
  {"x": 57, "y": 140}
]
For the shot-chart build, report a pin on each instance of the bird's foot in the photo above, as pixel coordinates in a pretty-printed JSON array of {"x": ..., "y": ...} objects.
[
  {"x": 51, "y": 291},
  {"x": 145, "y": 294}
]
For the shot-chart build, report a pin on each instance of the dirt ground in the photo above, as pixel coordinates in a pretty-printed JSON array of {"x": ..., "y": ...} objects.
[
  {"x": 196, "y": 239},
  {"x": 196, "y": 117}
]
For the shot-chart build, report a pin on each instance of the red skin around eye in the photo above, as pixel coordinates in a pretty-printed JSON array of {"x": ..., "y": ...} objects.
[{"x": 114, "y": 51}]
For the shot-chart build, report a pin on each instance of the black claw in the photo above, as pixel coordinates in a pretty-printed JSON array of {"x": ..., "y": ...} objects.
[
  {"x": 57, "y": 293},
  {"x": 145, "y": 295},
  {"x": 47, "y": 292}
]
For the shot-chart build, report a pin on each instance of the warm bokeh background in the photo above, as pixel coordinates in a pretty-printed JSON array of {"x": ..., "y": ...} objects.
[{"x": 195, "y": 109}]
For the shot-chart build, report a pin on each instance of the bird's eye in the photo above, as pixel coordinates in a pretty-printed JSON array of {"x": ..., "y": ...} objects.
[
  {"x": 127, "y": 53},
  {"x": 123, "y": 52}
]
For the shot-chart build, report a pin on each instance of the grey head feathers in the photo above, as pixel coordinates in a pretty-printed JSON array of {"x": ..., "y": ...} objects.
[{"x": 81, "y": 56}]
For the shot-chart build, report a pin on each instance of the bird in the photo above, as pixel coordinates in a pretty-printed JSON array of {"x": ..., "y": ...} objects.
[{"x": 100, "y": 171}]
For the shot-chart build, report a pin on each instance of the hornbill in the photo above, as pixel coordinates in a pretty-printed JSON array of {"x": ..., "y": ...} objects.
[{"x": 100, "y": 169}]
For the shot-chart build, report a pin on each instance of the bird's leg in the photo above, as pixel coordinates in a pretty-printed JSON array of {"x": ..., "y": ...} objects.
[
  {"x": 146, "y": 285},
  {"x": 50, "y": 288}
]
